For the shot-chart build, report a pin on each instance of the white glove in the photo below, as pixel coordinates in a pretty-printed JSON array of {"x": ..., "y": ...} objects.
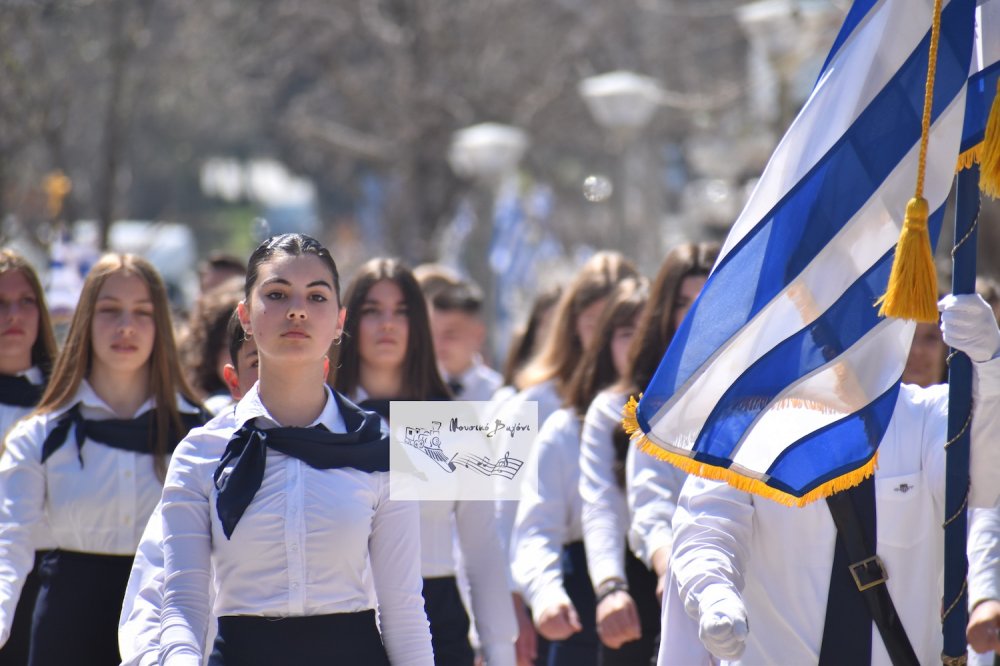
[
  {"x": 968, "y": 325},
  {"x": 722, "y": 622}
]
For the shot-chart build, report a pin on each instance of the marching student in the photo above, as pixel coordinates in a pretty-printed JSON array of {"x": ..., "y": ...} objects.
[
  {"x": 289, "y": 516},
  {"x": 27, "y": 352},
  {"x": 90, "y": 461},
  {"x": 545, "y": 378},
  {"x": 139, "y": 624},
  {"x": 627, "y": 608},
  {"x": 549, "y": 564},
  {"x": 204, "y": 347},
  {"x": 772, "y": 584},
  {"x": 388, "y": 354},
  {"x": 459, "y": 334}
]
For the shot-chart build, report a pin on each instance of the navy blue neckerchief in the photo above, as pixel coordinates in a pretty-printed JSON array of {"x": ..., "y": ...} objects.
[
  {"x": 17, "y": 391},
  {"x": 134, "y": 435},
  {"x": 363, "y": 447}
]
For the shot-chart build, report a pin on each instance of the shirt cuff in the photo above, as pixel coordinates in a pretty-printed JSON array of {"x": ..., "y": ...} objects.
[
  {"x": 547, "y": 598},
  {"x": 499, "y": 654},
  {"x": 986, "y": 378}
]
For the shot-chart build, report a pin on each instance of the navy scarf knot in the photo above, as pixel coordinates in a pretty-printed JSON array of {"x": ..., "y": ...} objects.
[
  {"x": 17, "y": 391},
  {"x": 364, "y": 447},
  {"x": 134, "y": 435}
]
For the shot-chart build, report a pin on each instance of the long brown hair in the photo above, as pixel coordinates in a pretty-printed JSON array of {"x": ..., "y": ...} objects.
[
  {"x": 207, "y": 336},
  {"x": 524, "y": 343},
  {"x": 656, "y": 327},
  {"x": 596, "y": 370},
  {"x": 76, "y": 360},
  {"x": 44, "y": 351},
  {"x": 562, "y": 348},
  {"x": 420, "y": 377}
]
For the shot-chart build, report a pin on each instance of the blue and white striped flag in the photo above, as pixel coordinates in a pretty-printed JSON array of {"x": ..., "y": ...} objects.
[{"x": 783, "y": 377}]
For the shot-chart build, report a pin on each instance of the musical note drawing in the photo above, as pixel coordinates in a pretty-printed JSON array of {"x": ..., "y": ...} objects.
[
  {"x": 507, "y": 467},
  {"x": 427, "y": 441}
]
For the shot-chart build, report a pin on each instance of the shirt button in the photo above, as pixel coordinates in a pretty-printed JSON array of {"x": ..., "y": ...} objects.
[
  {"x": 127, "y": 520},
  {"x": 128, "y": 474},
  {"x": 295, "y": 546},
  {"x": 295, "y": 586}
]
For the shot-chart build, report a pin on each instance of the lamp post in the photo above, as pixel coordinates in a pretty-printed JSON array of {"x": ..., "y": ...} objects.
[
  {"x": 487, "y": 153},
  {"x": 623, "y": 103}
]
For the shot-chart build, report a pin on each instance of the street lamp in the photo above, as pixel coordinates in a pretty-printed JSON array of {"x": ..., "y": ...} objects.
[
  {"x": 623, "y": 103},
  {"x": 487, "y": 153}
]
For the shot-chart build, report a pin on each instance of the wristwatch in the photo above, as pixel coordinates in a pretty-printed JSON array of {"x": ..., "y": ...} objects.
[{"x": 609, "y": 586}]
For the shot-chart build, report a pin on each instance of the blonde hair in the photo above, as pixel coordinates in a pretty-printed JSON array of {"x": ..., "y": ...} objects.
[
  {"x": 76, "y": 360},
  {"x": 44, "y": 350},
  {"x": 562, "y": 348}
]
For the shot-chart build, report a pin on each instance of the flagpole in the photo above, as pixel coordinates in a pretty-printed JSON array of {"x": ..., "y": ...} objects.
[{"x": 955, "y": 603}]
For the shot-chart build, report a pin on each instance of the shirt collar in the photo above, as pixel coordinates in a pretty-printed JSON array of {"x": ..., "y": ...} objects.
[
  {"x": 33, "y": 375},
  {"x": 87, "y": 397},
  {"x": 251, "y": 407}
]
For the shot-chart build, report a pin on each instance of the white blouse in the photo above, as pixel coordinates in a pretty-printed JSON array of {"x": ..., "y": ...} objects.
[
  {"x": 311, "y": 542},
  {"x": 139, "y": 624},
  {"x": 605, "y": 512},
  {"x": 549, "y": 519},
  {"x": 11, "y": 414},
  {"x": 472, "y": 524},
  {"x": 99, "y": 507}
]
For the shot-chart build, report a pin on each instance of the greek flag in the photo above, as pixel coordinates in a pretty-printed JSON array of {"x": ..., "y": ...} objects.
[{"x": 782, "y": 378}]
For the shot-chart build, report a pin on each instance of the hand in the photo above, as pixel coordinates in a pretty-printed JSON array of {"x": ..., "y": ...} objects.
[
  {"x": 558, "y": 622},
  {"x": 968, "y": 325},
  {"x": 722, "y": 622},
  {"x": 526, "y": 646},
  {"x": 618, "y": 620},
  {"x": 661, "y": 583},
  {"x": 983, "y": 632},
  {"x": 661, "y": 562}
]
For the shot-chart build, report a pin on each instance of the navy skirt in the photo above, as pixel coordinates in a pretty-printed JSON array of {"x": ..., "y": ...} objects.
[
  {"x": 581, "y": 648},
  {"x": 449, "y": 622},
  {"x": 77, "y": 610},
  {"x": 15, "y": 651},
  {"x": 642, "y": 588},
  {"x": 311, "y": 640}
]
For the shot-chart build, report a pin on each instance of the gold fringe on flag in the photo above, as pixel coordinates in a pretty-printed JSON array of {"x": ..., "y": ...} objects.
[
  {"x": 986, "y": 153},
  {"x": 754, "y": 486}
]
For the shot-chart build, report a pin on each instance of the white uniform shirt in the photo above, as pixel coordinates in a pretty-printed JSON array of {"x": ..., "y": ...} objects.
[
  {"x": 9, "y": 415},
  {"x": 470, "y": 525},
  {"x": 779, "y": 558},
  {"x": 984, "y": 565},
  {"x": 302, "y": 547},
  {"x": 549, "y": 401},
  {"x": 605, "y": 510},
  {"x": 549, "y": 519},
  {"x": 139, "y": 624},
  {"x": 100, "y": 507},
  {"x": 479, "y": 382},
  {"x": 652, "y": 487}
]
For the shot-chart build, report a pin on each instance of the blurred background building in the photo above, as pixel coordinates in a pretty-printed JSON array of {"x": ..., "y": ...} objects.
[{"x": 496, "y": 136}]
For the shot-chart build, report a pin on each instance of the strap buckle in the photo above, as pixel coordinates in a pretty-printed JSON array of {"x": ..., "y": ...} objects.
[{"x": 860, "y": 570}]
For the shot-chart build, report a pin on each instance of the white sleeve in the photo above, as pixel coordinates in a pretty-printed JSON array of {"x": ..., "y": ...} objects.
[
  {"x": 542, "y": 522},
  {"x": 22, "y": 506},
  {"x": 486, "y": 565},
  {"x": 713, "y": 526},
  {"x": 139, "y": 623},
  {"x": 984, "y": 466},
  {"x": 506, "y": 510},
  {"x": 653, "y": 486},
  {"x": 187, "y": 551},
  {"x": 603, "y": 501},
  {"x": 984, "y": 555},
  {"x": 394, "y": 550}
]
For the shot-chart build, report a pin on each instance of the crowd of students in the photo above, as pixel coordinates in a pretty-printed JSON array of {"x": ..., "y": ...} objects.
[{"x": 225, "y": 499}]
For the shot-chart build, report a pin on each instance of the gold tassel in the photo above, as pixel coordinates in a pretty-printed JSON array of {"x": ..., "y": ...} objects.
[
  {"x": 989, "y": 152},
  {"x": 756, "y": 486},
  {"x": 629, "y": 421},
  {"x": 912, "y": 292}
]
